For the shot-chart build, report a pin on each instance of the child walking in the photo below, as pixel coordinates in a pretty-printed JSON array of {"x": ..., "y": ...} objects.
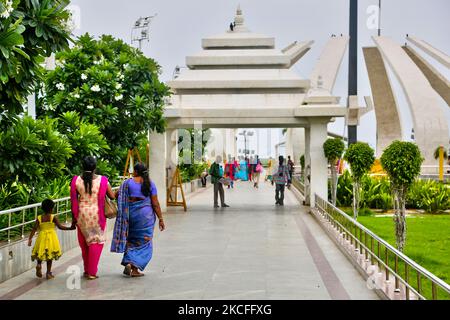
[{"x": 47, "y": 246}]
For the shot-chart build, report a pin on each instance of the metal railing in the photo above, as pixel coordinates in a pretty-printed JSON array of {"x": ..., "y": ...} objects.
[
  {"x": 299, "y": 185},
  {"x": 413, "y": 278},
  {"x": 20, "y": 219}
]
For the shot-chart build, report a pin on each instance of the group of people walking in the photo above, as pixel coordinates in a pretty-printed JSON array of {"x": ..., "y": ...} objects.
[
  {"x": 137, "y": 212},
  {"x": 250, "y": 170}
]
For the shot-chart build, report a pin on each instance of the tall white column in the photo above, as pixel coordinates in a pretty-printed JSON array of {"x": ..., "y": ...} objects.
[
  {"x": 171, "y": 137},
  {"x": 157, "y": 167},
  {"x": 319, "y": 165},
  {"x": 289, "y": 145},
  {"x": 298, "y": 144},
  {"x": 307, "y": 166}
]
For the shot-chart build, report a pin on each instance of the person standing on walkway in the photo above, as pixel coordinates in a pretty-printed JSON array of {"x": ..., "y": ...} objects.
[
  {"x": 281, "y": 177},
  {"x": 138, "y": 207},
  {"x": 87, "y": 194},
  {"x": 290, "y": 165},
  {"x": 216, "y": 180}
]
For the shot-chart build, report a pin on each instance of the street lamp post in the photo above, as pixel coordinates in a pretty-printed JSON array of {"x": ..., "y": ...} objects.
[
  {"x": 141, "y": 30},
  {"x": 246, "y": 134}
]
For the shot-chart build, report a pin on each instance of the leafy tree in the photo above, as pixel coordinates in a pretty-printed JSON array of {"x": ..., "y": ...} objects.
[
  {"x": 401, "y": 161},
  {"x": 360, "y": 156},
  {"x": 333, "y": 149},
  {"x": 33, "y": 150},
  {"x": 110, "y": 84},
  {"x": 85, "y": 139},
  {"x": 30, "y": 30}
]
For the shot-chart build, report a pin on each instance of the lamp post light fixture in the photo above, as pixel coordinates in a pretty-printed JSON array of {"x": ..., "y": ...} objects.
[
  {"x": 141, "y": 30},
  {"x": 246, "y": 134}
]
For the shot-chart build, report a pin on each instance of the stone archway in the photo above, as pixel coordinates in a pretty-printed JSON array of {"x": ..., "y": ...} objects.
[{"x": 240, "y": 80}]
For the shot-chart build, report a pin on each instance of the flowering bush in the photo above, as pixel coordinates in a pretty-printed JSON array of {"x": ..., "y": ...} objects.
[{"x": 109, "y": 84}]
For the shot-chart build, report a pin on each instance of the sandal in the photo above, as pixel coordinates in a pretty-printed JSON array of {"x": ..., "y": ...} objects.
[
  {"x": 127, "y": 270},
  {"x": 89, "y": 277},
  {"x": 39, "y": 271},
  {"x": 49, "y": 276},
  {"x": 135, "y": 273}
]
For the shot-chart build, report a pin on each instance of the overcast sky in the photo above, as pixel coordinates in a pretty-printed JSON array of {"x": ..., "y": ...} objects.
[{"x": 180, "y": 25}]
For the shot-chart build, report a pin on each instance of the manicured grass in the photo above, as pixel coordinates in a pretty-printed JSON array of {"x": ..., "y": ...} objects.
[{"x": 427, "y": 240}]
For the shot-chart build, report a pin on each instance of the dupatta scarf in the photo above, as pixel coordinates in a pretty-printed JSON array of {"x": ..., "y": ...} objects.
[
  {"x": 119, "y": 240},
  {"x": 101, "y": 200}
]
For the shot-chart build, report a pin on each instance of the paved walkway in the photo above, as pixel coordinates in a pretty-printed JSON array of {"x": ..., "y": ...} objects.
[{"x": 252, "y": 250}]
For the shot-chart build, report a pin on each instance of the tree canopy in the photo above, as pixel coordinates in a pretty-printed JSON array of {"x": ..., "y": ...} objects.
[
  {"x": 360, "y": 156},
  {"x": 109, "y": 84},
  {"x": 402, "y": 160}
]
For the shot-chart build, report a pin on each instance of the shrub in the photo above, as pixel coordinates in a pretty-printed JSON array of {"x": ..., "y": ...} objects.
[
  {"x": 376, "y": 193},
  {"x": 401, "y": 161},
  {"x": 428, "y": 195},
  {"x": 344, "y": 190},
  {"x": 33, "y": 150},
  {"x": 360, "y": 156},
  {"x": 333, "y": 149}
]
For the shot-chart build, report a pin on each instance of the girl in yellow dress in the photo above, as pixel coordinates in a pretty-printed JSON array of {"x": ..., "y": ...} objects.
[{"x": 47, "y": 246}]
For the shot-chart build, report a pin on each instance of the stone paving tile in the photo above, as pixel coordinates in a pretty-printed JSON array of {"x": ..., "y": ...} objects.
[{"x": 252, "y": 250}]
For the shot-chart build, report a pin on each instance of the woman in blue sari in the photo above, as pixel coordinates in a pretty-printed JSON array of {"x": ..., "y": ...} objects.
[{"x": 138, "y": 207}]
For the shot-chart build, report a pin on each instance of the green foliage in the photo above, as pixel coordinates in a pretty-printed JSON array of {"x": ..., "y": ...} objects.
[
  {"x": 33, "y": 150},
  {"x": 362, "y": 212},
  {"x": 109, "y": 84},
  {"x": 302, "y": 161},
  {"x": 333, "y": 149},
  {"x": 401, "y": 161},
  {"x": 344, "y": 190},
  {"x": 376, "y": 193},
  {"x": 30, "y": 30},
  {"x": 360, "y": 156},
  {"x": 85, "y": 139},
  {"x": 192, "y": 171},
  {"x": 428, "y": 195},
  {"x": 15, "y": 194},
  {"x": 190, "y": 152}
]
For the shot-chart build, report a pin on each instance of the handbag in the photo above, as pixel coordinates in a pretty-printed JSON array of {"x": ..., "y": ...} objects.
[
  {"x": 110, "y": 208},
  {"x": 259, "y": 168}
]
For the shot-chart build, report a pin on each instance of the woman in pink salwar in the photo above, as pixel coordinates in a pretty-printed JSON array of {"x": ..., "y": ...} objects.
[{"x": 87, "y": 194}]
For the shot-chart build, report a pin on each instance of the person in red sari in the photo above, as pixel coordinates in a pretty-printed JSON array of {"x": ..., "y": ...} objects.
[{"x": 87, "y": 194}]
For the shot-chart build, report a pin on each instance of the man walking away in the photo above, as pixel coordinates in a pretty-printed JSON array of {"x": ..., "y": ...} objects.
[
  {"x": 281, "y": 177},
  {"x": 216, "y": 177}
]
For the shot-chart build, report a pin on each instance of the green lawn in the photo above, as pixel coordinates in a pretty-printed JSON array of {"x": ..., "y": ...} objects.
[{"x": 427, "y": 240}]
